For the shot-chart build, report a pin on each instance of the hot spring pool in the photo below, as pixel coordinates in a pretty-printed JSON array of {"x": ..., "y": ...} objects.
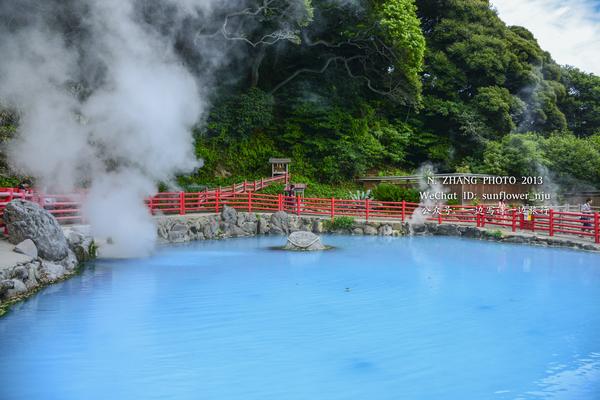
[{"x": 377, "y": 318}]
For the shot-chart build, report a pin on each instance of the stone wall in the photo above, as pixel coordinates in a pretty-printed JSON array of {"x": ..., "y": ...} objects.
[{"x": 230, "y": 223}]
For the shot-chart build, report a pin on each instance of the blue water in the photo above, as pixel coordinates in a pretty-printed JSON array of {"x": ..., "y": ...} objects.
[{"x": 377, "y": 318}]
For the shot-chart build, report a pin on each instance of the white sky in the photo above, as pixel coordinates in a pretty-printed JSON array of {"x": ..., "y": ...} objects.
[{"x": 568, "y": 29}]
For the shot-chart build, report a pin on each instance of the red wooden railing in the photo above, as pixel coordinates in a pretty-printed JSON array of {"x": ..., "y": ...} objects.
[{"x": 242, "y": 197}]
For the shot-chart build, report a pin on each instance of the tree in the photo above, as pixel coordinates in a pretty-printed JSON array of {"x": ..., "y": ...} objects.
[{"x": 581, "y": 104}]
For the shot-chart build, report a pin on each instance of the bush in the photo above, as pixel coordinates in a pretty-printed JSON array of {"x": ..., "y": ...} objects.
[
  {"x": 276, "y": 188},
  {"x": 389, "y": 192},
  {"x": 339, "y": 223}
]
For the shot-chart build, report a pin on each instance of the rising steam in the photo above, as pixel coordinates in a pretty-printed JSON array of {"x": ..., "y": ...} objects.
[{"x": 109, "y": 105}]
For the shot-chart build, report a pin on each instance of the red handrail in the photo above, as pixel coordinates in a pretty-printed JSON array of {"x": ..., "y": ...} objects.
[{"x": 67, "y": 208}]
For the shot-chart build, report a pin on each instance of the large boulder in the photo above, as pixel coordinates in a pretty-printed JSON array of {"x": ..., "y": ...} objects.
[
  {"x": 210, "y": 229},
  {"x": 27, "y": 220},
  {"x": 304, "y": 240},
  {"x": 229, "y": 215},
  {"x": 280, "y": 223}
]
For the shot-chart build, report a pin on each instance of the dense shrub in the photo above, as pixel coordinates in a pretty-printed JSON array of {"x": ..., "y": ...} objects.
[
  {"x": 389, "y": 192},
  {"x": 339, "y": 223}
]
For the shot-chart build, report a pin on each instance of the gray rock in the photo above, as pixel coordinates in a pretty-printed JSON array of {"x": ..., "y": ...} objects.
[
  {"x": 370, "y": 230},
  {"x": 18, "y": 288},
  {"x": 31, "y": 281},
  {"x": 357, "y": 231},
  {"x": 514, "y": 239},
  {"x": 49, "y": 271},
  {"x": 229, "y": 215},
  {"x": 418, "y": 229},
  {"x": 263, "y": 225},
  {"x": 179, "y": 228},
  {"x": 304, "y": 240},
  {"x": 232, "y": 230},
  {"x": 178, "y": 236},
  {"x": 27, "y": 247},
  {"x": 210, "y": 229},
  {"x": 280, "y": 223},
  {"x": 70, "y": 262},
  {"x": 27, "y": 220},
  {"x": 20, "y": 272},
  {"x": 74, "y": 238},
  {"x": 385, "y": 230},
  {"x": 317, "y": 226},
  {"x": 250, "y": 227},
  {"x": 447, "y": 230},
  {"x": 244, "y": 218},
  {"x": 5, "y": 286},
  {"x": 471, "y": 232}
]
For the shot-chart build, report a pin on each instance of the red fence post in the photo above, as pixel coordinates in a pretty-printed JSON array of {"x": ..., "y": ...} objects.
[
  {"x": 151, "y": 204},
  {"x": 597, "y": 227},
  {"x": 279, "y": 202},
  {"x": 249, "y": 201},
  {"x": 403, "y": 210},
  {"x": 532, "y": 222},
  {"x": 514, "y": 220},
  {"x": 181, "y": 203},
  {"x": 217, "y": 193},
  {"x": 332, "y": 208},
  {"x": 297, "y": 205},
  {"x": 262, "y": 183},
  {"x": 551, "y": 223},
  {"x": 367, "y": 209}
]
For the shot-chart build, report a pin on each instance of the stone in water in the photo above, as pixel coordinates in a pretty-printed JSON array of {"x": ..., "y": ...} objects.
[{"x": 304, "y": 240}]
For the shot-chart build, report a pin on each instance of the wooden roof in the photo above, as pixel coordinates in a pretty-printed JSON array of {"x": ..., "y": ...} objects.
[{"x": 280, "y": 160}]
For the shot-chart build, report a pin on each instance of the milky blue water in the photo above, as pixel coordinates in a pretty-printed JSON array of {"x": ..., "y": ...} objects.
[{"x": 377, "y": 318}]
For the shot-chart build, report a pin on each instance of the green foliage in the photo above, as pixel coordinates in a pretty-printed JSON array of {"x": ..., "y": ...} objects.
[
  {"x": 379, "y": 87},
  {"x": 515, "y": 154},
  {"x": 497, "y": 234},
  {"x": 403, "y": 30},
  {"x": 581, "y": 105},
  {"x": 324, "y": 190},
  {"x": 571, "y": 157},
  {"x": 339, "y": 224},
  {"x": 360, "y": 195},
  {"x": 389, "y": 192},
  {"x": 9, "y": 181},
  {"x": 276, "y": 188},
  {"x": 239, "y": 116}
]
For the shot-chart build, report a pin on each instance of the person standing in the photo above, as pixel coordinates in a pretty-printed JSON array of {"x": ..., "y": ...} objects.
[{"x": 586, "y": 208}]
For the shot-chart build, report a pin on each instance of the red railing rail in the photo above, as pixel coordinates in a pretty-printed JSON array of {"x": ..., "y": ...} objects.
[{"x": 243, "y": 197}]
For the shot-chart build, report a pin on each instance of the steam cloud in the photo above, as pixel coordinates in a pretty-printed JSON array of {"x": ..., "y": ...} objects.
[{"x": 110, "y": 105}]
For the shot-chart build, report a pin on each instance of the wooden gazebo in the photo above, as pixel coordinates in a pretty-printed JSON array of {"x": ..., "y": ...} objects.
[{"x": 280, "y": 166}]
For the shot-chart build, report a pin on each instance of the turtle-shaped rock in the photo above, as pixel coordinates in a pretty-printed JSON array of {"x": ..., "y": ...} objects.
[{"x": 304, "y": 240}]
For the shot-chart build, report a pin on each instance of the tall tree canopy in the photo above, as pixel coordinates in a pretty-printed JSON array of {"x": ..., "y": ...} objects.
[{"x": 374, "y": 86}]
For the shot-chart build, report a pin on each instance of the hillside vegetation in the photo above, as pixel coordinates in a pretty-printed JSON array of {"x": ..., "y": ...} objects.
[{"x": 382, "y": 86}]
